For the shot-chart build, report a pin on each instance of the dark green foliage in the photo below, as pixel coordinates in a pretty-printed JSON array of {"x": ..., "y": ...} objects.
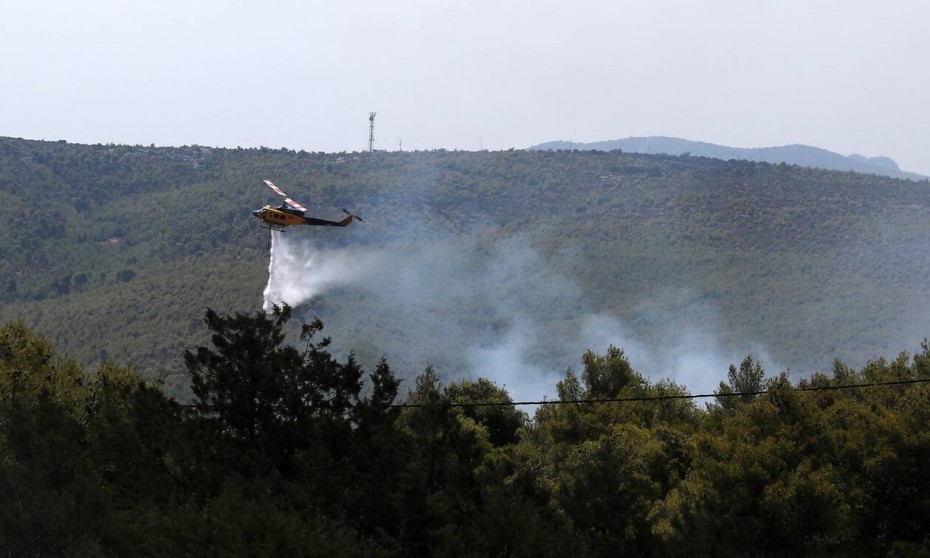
[
  {"x": 742, "y": 385},
  {"x": 501, "y": 421},
  {"x": 249, "y": 381},
  {"x": 282, "y": 454},
  {"x": 604, "y": 376}
]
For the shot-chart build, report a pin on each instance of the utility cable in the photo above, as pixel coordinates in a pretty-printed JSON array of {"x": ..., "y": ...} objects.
[{"x": 666, "y": 397}]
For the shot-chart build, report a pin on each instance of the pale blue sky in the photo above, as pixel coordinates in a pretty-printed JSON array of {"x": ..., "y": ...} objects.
[{"x": 850, "y": 76}]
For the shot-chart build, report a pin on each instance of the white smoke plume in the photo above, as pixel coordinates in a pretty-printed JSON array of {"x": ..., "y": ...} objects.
[
  {"x": 493, "y": 308},
  {"x": 691, "y": 355},
  {"x": 508, "y": 364}
]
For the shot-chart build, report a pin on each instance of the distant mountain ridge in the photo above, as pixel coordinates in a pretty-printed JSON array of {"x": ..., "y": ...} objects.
[{"x": 801, "y": 155}]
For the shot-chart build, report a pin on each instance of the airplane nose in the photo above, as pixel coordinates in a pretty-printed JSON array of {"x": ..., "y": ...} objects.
[{"x": 256, "y": 213}]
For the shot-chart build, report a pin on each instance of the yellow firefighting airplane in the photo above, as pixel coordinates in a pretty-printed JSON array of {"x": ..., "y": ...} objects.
[{"x": 291, "y": 213}]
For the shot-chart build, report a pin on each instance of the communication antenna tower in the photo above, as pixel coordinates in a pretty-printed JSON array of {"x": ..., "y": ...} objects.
[{"x": 371, "y": 131}]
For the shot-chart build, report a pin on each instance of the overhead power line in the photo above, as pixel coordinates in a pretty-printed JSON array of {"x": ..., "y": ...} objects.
[{"x": 665, "y": 397}]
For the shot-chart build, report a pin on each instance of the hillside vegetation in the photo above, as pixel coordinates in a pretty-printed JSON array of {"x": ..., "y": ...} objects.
[
  {"x": 283, "y": 453},
  {"x": 113, "y": 252}
]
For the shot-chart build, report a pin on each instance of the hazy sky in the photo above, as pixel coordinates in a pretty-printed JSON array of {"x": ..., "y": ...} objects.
[{"x": 850, "y": 76}]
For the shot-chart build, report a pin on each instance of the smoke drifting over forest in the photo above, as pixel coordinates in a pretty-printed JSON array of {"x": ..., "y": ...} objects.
[
  {"x": 501, "y": 264},
  {"x": 494, "y": 308}
]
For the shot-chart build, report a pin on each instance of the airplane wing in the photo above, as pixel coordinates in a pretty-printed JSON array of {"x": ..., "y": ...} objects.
[{"x": 287, "y": 200}]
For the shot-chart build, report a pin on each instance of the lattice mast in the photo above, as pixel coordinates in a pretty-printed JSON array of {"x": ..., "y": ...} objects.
[{"x": 371, "y": 131}]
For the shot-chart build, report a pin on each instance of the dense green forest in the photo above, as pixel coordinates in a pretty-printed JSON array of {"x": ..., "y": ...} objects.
[
  {"x": 113, "y": 252},
  {"x": 286, "y": 450},
  {"x": 134, "y": 421}
]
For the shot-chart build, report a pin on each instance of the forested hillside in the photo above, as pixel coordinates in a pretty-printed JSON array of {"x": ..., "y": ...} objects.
[
  {"x": 288, "y": 452},
  {"x": 113, "y": 252},
  {"x": 468, "y": 266}
]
